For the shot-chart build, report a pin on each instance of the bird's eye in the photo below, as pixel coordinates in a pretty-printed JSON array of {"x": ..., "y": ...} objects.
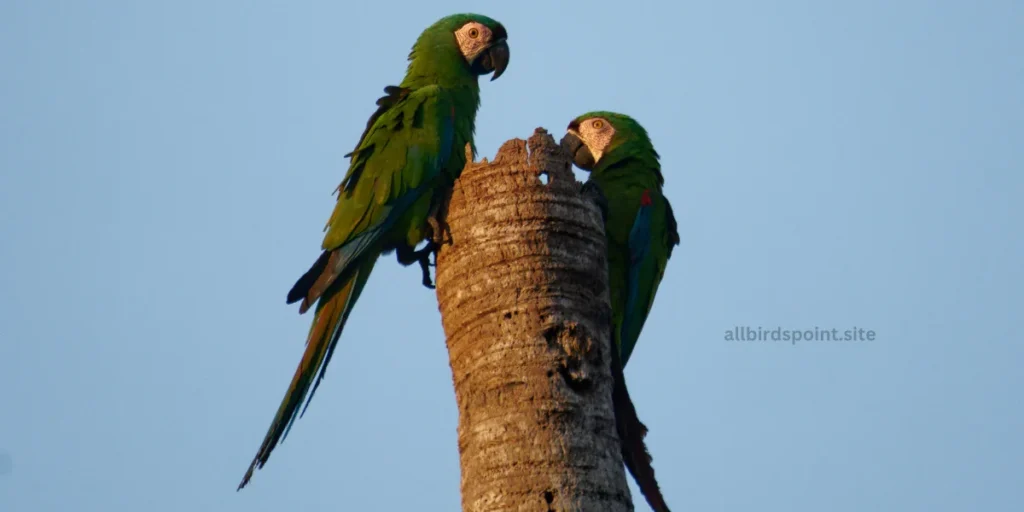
[
  {"x": 474, "y": 33},
  {"x": 598, "y": 124}
]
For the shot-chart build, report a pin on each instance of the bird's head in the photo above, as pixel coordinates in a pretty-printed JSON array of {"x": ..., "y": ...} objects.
[
  {"x": 594, "y": 135},
  {"x": 480, "y": 41}
]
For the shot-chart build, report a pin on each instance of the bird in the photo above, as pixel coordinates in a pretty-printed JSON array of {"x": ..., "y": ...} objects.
[
  {"x": 626, "y": 181},
  {"x": 406, "y": 161}
]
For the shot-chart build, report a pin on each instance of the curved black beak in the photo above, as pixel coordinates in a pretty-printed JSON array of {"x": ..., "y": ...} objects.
[
  {"x": 580, "y": 153},
  {"x": 499, "y": 58},
  {"x": 493, "y": 58}
]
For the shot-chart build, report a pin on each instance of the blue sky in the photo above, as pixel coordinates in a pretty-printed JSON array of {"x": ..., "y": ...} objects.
[{"x": 166, "y": 169}]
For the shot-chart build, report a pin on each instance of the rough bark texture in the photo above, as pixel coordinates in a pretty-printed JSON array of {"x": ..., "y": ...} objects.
[{"x": 523, "y": 295}]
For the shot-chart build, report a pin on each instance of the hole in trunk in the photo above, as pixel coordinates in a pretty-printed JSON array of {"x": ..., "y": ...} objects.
[{"x": 549, "y": 498}]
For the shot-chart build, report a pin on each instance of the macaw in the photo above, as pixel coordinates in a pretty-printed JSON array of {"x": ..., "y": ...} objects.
[
  {"x": 408, "y": 157},
  {"x": 626, "y": 180}
]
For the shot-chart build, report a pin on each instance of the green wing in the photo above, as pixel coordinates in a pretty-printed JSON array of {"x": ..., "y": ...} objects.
[
  {"x": 404, "y": 148},
  {"x": 398, "y": 159},
  {"x": 650, "y": 245}
]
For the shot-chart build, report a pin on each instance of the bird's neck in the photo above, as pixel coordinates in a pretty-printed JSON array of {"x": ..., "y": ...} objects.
[
  {"x": 613, "y": 170},
  {"x": 441, "y": 66}
]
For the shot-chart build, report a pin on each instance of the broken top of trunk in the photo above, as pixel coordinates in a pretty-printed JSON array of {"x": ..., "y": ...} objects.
[{"x": 523, "y": 295}]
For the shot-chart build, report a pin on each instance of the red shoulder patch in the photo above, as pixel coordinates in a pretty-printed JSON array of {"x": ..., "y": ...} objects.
[{"x": 645, "y": 199}]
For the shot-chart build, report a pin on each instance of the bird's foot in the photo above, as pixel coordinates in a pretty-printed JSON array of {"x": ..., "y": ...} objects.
[
  {"x": 423, "y": 258},
  {"x": 440, "y": 233},
  {"x": 407, "y": 257}
]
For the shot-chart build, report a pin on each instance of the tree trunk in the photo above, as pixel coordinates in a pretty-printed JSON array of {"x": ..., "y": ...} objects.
[{"x": 523, "y": 295}]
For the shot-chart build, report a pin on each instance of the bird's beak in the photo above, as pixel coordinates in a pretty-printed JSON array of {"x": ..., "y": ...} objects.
[
  {"x": 580, "y": 153},
  {"x": 493, "y": 58}
]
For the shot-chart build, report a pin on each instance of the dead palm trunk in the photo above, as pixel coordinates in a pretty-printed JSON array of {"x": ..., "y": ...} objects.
[{"x": 523, "y": 295}]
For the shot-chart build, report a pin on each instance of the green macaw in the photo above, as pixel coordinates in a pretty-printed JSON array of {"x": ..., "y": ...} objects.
[
  {"x": 626, "y": 178},
  {"x": 404, "y": 165}
]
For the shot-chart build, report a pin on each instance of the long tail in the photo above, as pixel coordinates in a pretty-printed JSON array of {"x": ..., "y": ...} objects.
[
  {"x": 331, "y": 314},
  {"x": 631, "y": 435}
]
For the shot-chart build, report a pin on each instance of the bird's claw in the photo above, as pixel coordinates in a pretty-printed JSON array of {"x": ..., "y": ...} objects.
[
  {"x": 440, "y": 234},
  {"x": 407, "y": 256},
  {"x": 423, "y": 258},
  {"x": 427, "y": 282}
]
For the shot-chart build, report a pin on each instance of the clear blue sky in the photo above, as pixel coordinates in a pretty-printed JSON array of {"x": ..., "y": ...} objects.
[{"x": 166, "y": 169}]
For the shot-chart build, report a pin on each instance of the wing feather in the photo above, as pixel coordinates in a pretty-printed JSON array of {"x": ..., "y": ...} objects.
[
  {"x": 395, "y": 163},
  {"x": 646, "y": 268}
]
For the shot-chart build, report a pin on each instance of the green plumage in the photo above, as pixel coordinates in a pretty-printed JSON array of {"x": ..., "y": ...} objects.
[
  {"x": 628, "y": 168},
  {"x": 407, "y": 158},
  {"x": 641, "y": 232}
]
